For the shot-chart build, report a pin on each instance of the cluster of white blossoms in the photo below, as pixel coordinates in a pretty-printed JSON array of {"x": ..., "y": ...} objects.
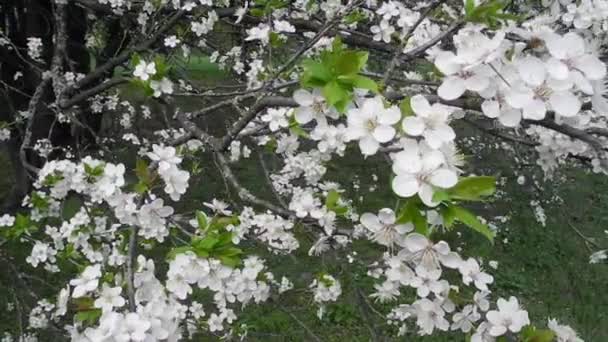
[
  {"x": 519, "y": 75},
  {"x": 539, "y": 73},
  {"x": 230, "y": 285},
  {"x": 422, "y": 264},
  {"x": 176, "y": 180}
]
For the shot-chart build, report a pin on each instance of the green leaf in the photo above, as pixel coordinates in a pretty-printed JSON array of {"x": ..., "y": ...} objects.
[
  {"x": 354, "y": 17},
  {"x": 228, "y": 252},
  {"x": 469, "y": 219},
  {"x": 410, "y": 212},
  {"x": 205, "y": 244},
  {"x": 295, "y": 128},
  {"x": 230, "y": 261},
  {"x": 531, "y": 334},
  {"x": 256, "y": 12},
  {"x": 135, "y": 59},
  {"x": 71, "y": 206},
  {"x": 473, "y": 188},
  {"x": 441, "y": 196},
  {"x": 361, "y": 82},
  {"x": 140, "y": 188},
  {"x": 448, "y": 215},
  {"x": 469, "y": 6},
  {"x": 350, "y": 62},
  {"x": 315, "y": 74},
  {"x": 178, "y": 250},
  {"x": 202, "y": 219},
  {"x": 406, "y": 107},
  {"x": 331, "y": 201},
  {"x": 141, "y": 169},
  {"x": 336, "y": 95},
  {"x": 89, "y": 316},
  {"x": 94, "y": 171},
  {"x": 275, "y": 39}
]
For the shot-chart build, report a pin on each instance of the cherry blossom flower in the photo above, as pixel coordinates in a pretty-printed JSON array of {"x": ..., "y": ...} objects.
[
  {"x": 164, "y": 86},
  {"x": 171, "y": 41},
  {"x": 563, "y": 333},
  {"x": 371, "y": 124},
  {"x": 144, "y": 70},
  {"x": 431, "y": 122},
  {"x": 312, "y": 106},
  {"x": 422, "y": 251},
  {"x": 471, "y": 272},
  {"x": 260, "y": 32},
  {"x": 219, "y": 207},
  {"x": 465, "y": 319},
  {"x": 430, "y": 316},
  {"x": 427, "y": 281},
  {"x": 109, "y": 298},
  {"x": 7, "y": 220},
  {"x": 384, "y": 228},
  {"x": 87, "y": 281},
  {"x": 419, "y": 172},
  {"x": 276, "y": 118},
  {"x": 508, "y": 317}
]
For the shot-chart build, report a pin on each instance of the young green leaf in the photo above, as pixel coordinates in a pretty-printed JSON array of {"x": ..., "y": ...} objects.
[
  {"x": 473, "y": 188},
  {"x": 469, "y": 219}
]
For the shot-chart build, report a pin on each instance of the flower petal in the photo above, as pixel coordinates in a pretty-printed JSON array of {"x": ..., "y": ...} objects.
[
  {"x": 593, "y": 68},
  {"x": 405, "y": 185},
  {"x": 303, "y": 97},
  {"x": 490, "y": 108},
  {"x": 452, "y": 88},
  {"x": 535, "y": 110},
  {"x": 443, "y": 178},
  {"x": 420, "y": 105},
  {"x": 370, "y": 221},
  {"x": 565, "y": 103},
  {"x": 368, "y": 145},
  {"x": 413, "y": 125},
  {"x": 384, "y": 133}
]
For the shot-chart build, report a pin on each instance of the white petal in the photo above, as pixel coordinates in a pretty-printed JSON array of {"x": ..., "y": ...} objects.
[
  {"x": 387, "y": 216},
  {"x": 490, "y": 108},
  {"x": 573, "y": 44},
  {"x": 444, "y": 178},
  {"x": 565, "y": 103},
  {"x": 477, "y": 83},
  {"x": 535, "y": 110},
  {"x": 445, "y": 61},
  {"x": 451, "y": 260},
  {"x": 452, "y": 88},
  {"x": 518, "y": 97},
  {"x": 593, "y": 68},
  {"x": 581, "y": 82},
  {"x": 434, "y": 138},
  {"x": 416, "y": 242},
  {"x": 370, "y": 221},
  {"x": 368, "y": 145},
  {"x": 510, "y": 118},
  {"x": 407, "y": 161},
  {"x": 405, "y": 185},
  {"x": 426, "y": 193},
  {"x": 531, "y": 70},
  {"x": 557, "y": 69},
  {"x": 390, "y": 116},
  {"x": 413, "y": 125},
  {"x": 303, "y": 115},
  {"x": 432, "y": 159},
  {"x": 303, "y": 97},
  {"x": 384, "y": 133},
  {"x": 420, "y": 105}
]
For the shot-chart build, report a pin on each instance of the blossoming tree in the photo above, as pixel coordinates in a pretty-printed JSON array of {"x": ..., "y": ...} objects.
[{"x": 311, "y": 81}]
